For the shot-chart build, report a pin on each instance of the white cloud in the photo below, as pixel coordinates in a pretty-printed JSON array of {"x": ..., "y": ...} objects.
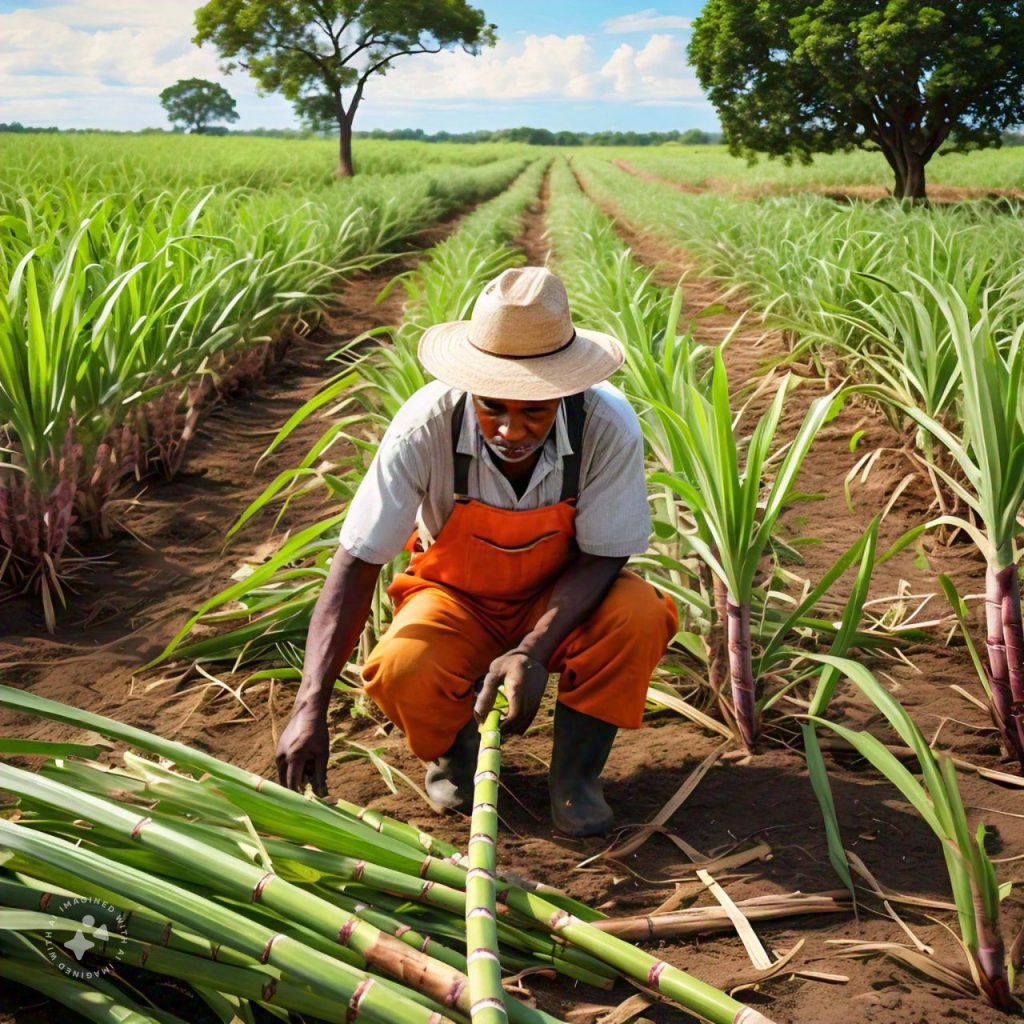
[
  {"x": 104, "y": 62},
  {"x": 647, "y": 20},
  {"x": 544, "y": 67}
]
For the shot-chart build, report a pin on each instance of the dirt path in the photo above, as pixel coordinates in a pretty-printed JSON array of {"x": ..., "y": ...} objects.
[
  {"x": 942, "y": 195},
  {"x": 893, "y": 843},
  {"x": 533, "y": 241}
]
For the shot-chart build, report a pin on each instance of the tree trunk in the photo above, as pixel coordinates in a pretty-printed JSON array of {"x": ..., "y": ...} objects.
[
  {"x": 741, "y": 672},
  {"x": 914, "y": 181},
  {"x": 346, "y": 168}
]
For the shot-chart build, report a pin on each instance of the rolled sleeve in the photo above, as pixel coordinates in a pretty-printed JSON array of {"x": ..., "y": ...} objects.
[
  {"x": 613, "y": 518},
  {"x": 382, "y": 514}
]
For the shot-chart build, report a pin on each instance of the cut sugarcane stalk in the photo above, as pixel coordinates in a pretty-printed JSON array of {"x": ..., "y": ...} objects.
[
  {"x": 158, "y": 840},
  {"x": 368, "y": 1000},
  {"x": 487, "y": 1001}
]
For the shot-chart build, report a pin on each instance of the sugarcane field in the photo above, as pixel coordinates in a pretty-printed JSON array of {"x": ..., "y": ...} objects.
[{"x": 459, "y": 573}]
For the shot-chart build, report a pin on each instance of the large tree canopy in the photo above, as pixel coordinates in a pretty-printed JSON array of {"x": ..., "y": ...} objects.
[
  {"x": 320, "y": 53},
  {"x": 791, "y": 77},
  {"x": 196, "y": 103}
]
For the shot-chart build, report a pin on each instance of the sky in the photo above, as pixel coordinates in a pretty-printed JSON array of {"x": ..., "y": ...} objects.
[{"x": 584, "y": 65}]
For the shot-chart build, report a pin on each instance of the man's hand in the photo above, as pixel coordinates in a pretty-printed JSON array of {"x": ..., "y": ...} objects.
[
  {"x": 302, "y": 751},
  {"x": 525, "y": 681}
]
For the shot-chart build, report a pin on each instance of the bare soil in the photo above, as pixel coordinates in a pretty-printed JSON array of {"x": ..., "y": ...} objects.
[{"x": 125, "y": 615}]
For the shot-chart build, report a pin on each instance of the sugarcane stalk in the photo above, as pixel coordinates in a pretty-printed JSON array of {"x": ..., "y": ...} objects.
[
  {"x": 343, "y": 827},
  {"x": 244, "y": 881},
  {"x": 540, "y": 946},
  {"x": 1005, "y": 645},
  {"x": 991, "y": 956},
  {"x": 741, "y": 670},
  {"x": 136, "y": 924},
  {"x": 367, "y": 1000},
  {"x": 487, "y": 1000},
  {"x": 403, "y": 932},
  {"x": 699, "y": 920},
  {"x": 669, "y": 981}
]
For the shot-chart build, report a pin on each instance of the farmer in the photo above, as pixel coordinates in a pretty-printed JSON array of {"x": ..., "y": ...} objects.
[{"x": 520, "y": 476}]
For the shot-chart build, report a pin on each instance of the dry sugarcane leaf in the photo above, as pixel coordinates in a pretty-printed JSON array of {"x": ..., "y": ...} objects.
[
  {"x": 945, "y": 974},
  {"x": 921, "y": 946},
  {"x": 732, "y": 860},
  {"x": 674, "y": 901},
  {"x": 666, "y": 812},
  {"x": 751, "y": 943},
  {"x": 885, "y": 894},
  {"x": 682, "y": 707},
  {"x": 627, "y": 1010},
  {"x": 976, "y": 701},
  {"x": 691, "y": 851},
  {"x": 828, "y": 979},
  {"x": 752, "y": 981}
]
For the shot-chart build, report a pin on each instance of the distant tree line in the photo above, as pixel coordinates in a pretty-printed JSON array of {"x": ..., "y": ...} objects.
[
  {"x": 544, "y": 137},
  {"x": 532, "y": 136}
]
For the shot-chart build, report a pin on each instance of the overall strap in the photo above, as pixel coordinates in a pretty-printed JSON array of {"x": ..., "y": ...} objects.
[
  {"x": 574, "y": 420},
  {"x": 459, "y": 459}
]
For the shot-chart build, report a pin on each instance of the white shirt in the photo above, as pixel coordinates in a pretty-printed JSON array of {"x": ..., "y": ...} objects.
[{"x": 410, "y": 482}]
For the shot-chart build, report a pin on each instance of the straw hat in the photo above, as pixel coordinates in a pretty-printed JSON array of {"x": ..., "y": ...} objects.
[{"x": 520, "y": 342}]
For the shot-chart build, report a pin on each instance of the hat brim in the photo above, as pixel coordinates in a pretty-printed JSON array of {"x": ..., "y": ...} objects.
[{"x": 446, "y": 352}]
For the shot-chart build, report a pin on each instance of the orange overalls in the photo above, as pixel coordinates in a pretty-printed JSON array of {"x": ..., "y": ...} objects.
[{"x": 480, "y": 588}]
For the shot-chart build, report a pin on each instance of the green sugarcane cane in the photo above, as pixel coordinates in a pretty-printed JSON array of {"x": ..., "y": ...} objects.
[
  {"x": 240, "y": 879},
  {"x": 487, "y": 1000},
  {"x": 305, "y": 821},
  {"x": 366, "y": 999},
  {"x": 293, "y": 815}
]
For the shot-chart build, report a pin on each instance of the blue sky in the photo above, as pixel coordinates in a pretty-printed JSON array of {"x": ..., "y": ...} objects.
[{"x": 571, "y": 64}]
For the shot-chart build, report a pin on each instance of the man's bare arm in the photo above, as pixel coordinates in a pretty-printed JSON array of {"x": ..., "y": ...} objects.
[
  {"x": 575, "y": 596},
  {"x": 338, "y": 619}
]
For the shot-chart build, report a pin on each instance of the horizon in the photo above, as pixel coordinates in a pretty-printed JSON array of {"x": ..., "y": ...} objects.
[{"x": 587, "y": 67}]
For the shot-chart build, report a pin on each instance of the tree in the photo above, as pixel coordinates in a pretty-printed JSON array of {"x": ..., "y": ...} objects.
[
  {"x": 195, "y": 102},
  {"x": 792, "y": 77},
  {"x": 320, "y": 53},
  {"x": 695, "y": 137}
]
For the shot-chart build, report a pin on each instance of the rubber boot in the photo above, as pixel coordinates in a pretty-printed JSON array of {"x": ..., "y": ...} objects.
[
  {"x": 449, "y": 779},
  {"x": 581, "y": 747}
]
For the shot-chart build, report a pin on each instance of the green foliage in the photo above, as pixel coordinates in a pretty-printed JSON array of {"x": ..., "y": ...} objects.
[
  {"x": 794, "y": 79},
  {"x": 936, "y": 799},
  {"x": 196, "y": 103},
  {"x": 320, "y": 55},
  {"x": 274, "y": 603},
  {"x": 126, "y": 299}
]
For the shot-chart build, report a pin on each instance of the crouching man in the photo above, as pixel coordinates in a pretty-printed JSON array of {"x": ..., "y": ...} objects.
[{"x": 519, "y": 475}]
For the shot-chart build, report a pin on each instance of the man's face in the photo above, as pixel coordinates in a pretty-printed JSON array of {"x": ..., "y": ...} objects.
[{"x": 515, "y": 430}]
